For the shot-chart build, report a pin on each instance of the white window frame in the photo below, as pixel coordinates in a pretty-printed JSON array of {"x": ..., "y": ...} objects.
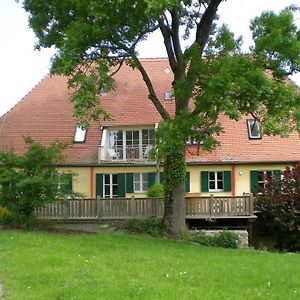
[
  {"x": 140, "y": 179},
  {"x": 111, "y": 185},
  {"x": 141, "y": 148},
  {"x": 80, "y": 134},
  {"x": 251, "y": 123},
  {"x": 215, "y": 180}
]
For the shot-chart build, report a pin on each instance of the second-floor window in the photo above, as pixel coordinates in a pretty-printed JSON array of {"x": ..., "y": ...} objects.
[
  {"x": 131, "y": 144},
  {"x": 216, "y": 181}
]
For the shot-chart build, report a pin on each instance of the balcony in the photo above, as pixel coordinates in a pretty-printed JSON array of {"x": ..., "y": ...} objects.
[{"x": 126, "y": 153}]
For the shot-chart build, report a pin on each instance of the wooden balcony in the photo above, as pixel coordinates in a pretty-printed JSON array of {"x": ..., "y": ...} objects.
[{"x": 141, "y": 208}]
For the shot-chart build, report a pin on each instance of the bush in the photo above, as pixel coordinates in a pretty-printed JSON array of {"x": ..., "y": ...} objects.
[
  {"x": 227, "y": 239},
  {"x": 156, "y": 191},
  {"x": 5, "y": 215},
  {"x": 224, "y": 239},
  {"x": 31, "y": 180},
  {"x": 279, "y": 207},
  {"x": 149, "y": 226}
]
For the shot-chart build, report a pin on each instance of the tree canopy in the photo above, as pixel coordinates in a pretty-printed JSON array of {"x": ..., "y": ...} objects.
[{"x": 212, "y": 72}]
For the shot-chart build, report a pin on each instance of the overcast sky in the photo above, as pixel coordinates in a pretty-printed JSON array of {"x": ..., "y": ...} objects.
[{"x": 21, "y": 68}]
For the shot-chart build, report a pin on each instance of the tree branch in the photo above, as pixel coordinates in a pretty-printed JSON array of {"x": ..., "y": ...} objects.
[
  {"x": 152, "y": 95},
  {"x": 166, "y": 33},
  {"x": 205, "y": 24}
]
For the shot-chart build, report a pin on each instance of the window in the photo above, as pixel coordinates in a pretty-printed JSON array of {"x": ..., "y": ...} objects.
[
  {"x": 131, "y": 144},
  {"x": 110, "y": 185},
  {"x": 259, "y": 179},
  {"x": 253, "y": 129},
  {"x": 264, "y": 177},
  {"x": 140, "y": 182},
  {"x": 216, "y": 181},
  {"x": 80, "y": 134}
]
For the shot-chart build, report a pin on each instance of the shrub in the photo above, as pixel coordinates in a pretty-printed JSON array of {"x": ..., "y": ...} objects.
[
  {"x": 156, "y": 191},
  {"x": 31, "y": 180},
  {"x": 279, "y": 210},
  {"x": 225, "y": 239},
  {"x": 5, "y": 215},
  {"x": 149, "y": 226}
]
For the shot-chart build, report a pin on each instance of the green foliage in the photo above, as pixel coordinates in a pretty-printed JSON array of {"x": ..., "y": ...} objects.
[
  {"x": 279, "y": 209},
  {"x": 224, "y": 239},
  {"x": 5, "y": 215},
  {"x": 31, "y": 180},
  {"x": 156, "y": 191},
  {"x": 149, "y": 226}
]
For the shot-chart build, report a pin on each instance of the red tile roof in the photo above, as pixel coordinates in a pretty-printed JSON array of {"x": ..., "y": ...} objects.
[{"x": 45, "y": 114}]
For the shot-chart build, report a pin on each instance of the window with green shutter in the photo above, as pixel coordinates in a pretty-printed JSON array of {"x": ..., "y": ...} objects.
[
  {"x": 259, "y": 179},
  {"x": 69, "y": 184},
  {"x": 216, "y": 181},
  {"x": 121, "y": 185},
  {"x": 99, "y": 185},
  {"x": 204, "y": 181},
  {"x": 187, "y": 182},
  {"x": 151, "y": 179},
  {"x": 129, "y": 182},
  {"x": 227, "y": 181}
]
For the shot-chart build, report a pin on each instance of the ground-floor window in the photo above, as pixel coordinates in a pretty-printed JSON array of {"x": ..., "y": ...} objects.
[
  {"x": 216, "y": 181},
  {"x": 110, "y": 185},
  {"x": 140, "y": 182}
]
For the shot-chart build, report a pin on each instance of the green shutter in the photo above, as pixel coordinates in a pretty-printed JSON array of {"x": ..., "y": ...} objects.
[
  {"x": 187, "y": 182},
  {"x": 99, "y": 185},
  {"x": 129, "y": 182},
  {"x": 121, "y": 185},
  {"x": 69, "y": 183},
  {"x": 151, "y": 179},
  {"x": 227, "y": 181},
  {"x": 161, "y": 177},
  {"x": 254, "y": 182},
  {"x": 204, "y": 181}
]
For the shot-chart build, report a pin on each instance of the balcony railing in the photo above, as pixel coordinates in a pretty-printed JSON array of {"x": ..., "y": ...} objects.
[{"x": 138, "y": 152}]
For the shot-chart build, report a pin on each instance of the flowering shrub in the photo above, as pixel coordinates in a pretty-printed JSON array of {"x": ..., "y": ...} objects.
[{"x": 279, "y": 210}]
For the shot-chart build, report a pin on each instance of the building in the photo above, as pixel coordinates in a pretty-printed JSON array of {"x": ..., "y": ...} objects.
[{"x": 111, "y": 158}]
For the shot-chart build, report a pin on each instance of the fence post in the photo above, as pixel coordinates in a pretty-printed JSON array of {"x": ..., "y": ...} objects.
[
  {"x": 132, "y": 210},
  {"x": 98, "y": 207},
  {"x": 211, "y": 205},
  {"x": 251, "y": 204}
]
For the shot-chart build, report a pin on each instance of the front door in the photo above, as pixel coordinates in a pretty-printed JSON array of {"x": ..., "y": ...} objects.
[{"x": 110, "y": 186}]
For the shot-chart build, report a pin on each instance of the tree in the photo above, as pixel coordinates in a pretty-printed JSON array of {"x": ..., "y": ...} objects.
[
  {"x": 279, "y": 207},
  {"x": 212, "y": 72},
  {"x": 31, "y": 180}
]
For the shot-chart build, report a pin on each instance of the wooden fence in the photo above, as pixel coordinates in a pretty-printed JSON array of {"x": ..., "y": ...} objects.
[{"x": 141, "y": 208}]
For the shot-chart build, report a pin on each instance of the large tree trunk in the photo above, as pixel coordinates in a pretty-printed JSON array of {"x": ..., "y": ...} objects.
[
  {"x": 174, "y": 200},
  {"x": 174, "y": 213}
]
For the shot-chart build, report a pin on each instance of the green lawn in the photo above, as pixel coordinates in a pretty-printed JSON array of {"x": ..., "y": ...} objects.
[{"x": 121, "y": 266}]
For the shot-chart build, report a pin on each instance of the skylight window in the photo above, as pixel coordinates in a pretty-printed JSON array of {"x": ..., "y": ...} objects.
[
  {"x": 253, "y": 129},
  {"x": 80, "y": 134}
]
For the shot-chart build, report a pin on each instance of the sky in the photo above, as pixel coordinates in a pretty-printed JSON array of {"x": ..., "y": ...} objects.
[{"x": 22, "y": 67}]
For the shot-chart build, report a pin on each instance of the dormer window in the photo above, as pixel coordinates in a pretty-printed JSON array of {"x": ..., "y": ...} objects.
[
  {"x": 168, "y": 96},
  {"x": 80, "y": 134},
  {"x": 253, "y": 129}
]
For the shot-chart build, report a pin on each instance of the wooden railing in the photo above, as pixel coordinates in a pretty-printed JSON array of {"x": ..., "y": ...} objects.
[{"x": 141, "y": 208}]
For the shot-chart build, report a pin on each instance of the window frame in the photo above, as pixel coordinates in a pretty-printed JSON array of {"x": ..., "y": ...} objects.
[
  {"x": 142, "y": 179},
  {"x": 76, "y": 133},
  {"x": 253, "y": 137},
  {"x": 216, "y": 180}
]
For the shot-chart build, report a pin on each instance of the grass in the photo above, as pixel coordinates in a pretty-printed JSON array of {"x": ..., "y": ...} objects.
[{"x": 111, "y": 266}]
